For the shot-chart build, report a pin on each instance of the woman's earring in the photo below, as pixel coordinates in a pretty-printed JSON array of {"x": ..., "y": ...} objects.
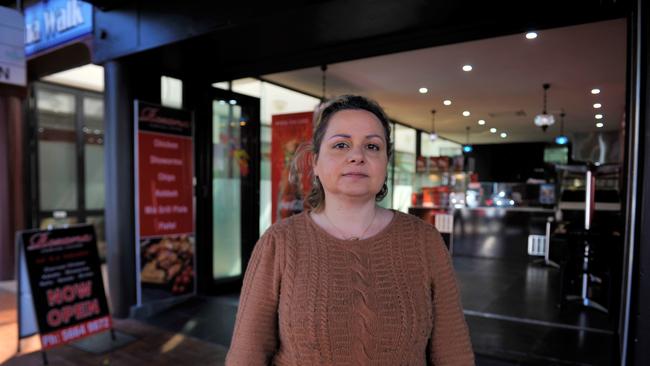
[{"x": 383, "y": 191}]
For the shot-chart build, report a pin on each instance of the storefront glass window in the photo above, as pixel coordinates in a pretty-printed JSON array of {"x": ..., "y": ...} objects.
[
  {"x": 438, "y": 147},
  {"x": 171, "y": 92},
  {"x": 404, "y": 167},
  {"x": 226, "y": 190},
  {"x": 387, "y": 202},
  {"x": 57, "y": 154},
  {"x": 98, "y": 223},
  {"x": 94, "y": 152},
  {"x": 265, "y": 178},
  {"x": 274, "y": 100},
  {"x": 58, "y": 221},
  {"x": 70, "y": 157}
]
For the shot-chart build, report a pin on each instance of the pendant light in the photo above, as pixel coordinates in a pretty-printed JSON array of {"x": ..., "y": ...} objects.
[
  {"x": 324, "y": 78},
  {"x": 544, "y": 119},
  {"x": 467, "y": 148},
  {"x": 323, "y": 100},
  {"x": 433, "y": 136},
  {"x": 562, "y": 139}
]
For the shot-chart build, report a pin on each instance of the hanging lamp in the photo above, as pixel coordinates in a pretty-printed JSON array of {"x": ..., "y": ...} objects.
[
  {"x": 467, "y": 148},
  {"x": 323, "y": 100},
  {"x": 324, "y": 79},
  {"x": 433, "y": 136},
  {"x": 544, "y": 119},
  {"x": 562, "y": 139}
]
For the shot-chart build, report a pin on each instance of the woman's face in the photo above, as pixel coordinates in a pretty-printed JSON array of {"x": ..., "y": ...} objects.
[{"x": 352, "y": 159}]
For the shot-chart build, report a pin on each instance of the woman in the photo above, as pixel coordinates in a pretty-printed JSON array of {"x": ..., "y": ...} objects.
[{"x": 348, "y": 282}]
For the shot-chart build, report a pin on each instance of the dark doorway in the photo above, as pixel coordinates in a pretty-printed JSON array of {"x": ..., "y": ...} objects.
[{"x": 228, "y": 174}]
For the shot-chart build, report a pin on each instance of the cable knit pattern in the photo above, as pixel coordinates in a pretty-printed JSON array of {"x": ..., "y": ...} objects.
[{"x": 312, "y": 299}]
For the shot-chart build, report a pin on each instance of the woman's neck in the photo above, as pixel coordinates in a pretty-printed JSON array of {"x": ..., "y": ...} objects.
[
  {"x": 349, "y": 219},
  {"x": 349, "y": 209}
]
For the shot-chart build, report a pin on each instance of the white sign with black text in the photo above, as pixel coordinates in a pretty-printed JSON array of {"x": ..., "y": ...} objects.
[{"x": 12, "y": 47}]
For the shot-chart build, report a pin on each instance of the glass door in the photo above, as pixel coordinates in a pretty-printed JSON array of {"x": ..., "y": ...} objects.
[
  {"x": 68, "y": 158},
  {"x": 233, "y": 188}
]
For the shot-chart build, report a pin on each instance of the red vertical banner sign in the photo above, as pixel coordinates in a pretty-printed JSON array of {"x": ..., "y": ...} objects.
[
  {"x": 165, "y": 202},
  {"x": 288, "y": 132}
]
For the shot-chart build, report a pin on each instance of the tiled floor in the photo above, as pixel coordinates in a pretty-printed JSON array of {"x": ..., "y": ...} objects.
[
  {"x": 520, "y": 289},
  {"x": 201, "y": 317},
  {"x": 152, "y": 345},
  {"x": 511, "y": 308},
  {"x": 208, "y": 318}
]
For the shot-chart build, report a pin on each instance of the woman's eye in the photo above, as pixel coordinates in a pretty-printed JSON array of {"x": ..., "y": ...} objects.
[
  {"x": 373, "y": 147},
  {"x": 340, "y": 145}
]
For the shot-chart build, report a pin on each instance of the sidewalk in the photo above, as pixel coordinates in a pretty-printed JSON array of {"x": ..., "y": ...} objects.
[{"x": 151, "y": 346}]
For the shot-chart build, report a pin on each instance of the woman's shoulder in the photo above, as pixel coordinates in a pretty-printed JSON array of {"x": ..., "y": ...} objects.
[
  {"x": 422, "y": 231},
  {"x": 283, "y": 227},
  {"x": 408, "y": 222}
]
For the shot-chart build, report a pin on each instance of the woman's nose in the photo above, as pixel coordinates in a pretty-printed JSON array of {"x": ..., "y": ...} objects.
[{"x": 355, "y": 155}]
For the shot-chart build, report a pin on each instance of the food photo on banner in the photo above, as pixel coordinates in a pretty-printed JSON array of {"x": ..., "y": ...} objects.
[
  {"x": 165, "y": 210},
  {"x": 288, "y": 131},
  {"x": 59, "y": 270}
]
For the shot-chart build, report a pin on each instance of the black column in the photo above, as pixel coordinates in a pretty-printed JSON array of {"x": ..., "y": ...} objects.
[
  {"x": 638, "y": 342},
  {"x": 196, "y": 98},
  {"x": 12, "y": 184},
  {"x": 119, "y": 211},
  {"x": 6, "y": 236}
]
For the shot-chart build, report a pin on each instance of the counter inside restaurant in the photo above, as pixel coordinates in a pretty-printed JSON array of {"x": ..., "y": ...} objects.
[{"x": 491, "y": 232}]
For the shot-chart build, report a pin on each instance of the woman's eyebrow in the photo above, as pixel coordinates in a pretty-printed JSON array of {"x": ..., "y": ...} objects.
[
  {"x": 374, "y": 135},
  {"x": 340, "y": 135},
  {"x": 348, "y": 136}
]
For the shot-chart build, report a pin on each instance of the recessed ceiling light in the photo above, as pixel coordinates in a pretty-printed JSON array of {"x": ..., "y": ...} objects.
[
  {"x": 493, "y": 130},
  {"x": 595, "y": 91},
  {"x": 599, "y": 116},
  {"x": 531, "y": 35},
  {"x": 481, "y": 122},
  {"x": 597, "y": 105},
  {"x": 423, "y": 90},
  {"x": 467, "y": 67},
  {"x": 599, "y": 125},
  {"x": 504, "y": 135},
  {"x": 466, "y": 113},
  {"x": 446, "y": 102}
]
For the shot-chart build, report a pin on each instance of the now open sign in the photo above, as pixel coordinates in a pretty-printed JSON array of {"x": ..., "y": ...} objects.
[{"x": 61, "y": 270}]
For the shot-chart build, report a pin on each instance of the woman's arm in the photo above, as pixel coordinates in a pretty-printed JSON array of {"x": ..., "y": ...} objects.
[
  {"x": 450, "y": 342},
  {"x": 255, "y": 338}
]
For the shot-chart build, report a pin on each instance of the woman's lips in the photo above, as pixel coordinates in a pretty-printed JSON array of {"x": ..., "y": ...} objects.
[{"x": 355, "y": 175}]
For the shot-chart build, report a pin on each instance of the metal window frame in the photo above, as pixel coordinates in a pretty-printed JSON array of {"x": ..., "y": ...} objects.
[{"x": 81, "y": 212}]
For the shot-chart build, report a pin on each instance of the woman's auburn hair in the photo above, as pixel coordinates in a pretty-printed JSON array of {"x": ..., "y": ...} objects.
[{"x": 302, "y": 159}]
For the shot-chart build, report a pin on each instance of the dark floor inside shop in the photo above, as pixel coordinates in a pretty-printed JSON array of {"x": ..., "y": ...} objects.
[
  {"x": 513, "y": 311},
  {"x": 512, "y": 308}
]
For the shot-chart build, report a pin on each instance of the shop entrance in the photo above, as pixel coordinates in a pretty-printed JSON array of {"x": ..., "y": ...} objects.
[
  {"x": 472, "y": 159},
  {"x": 225, "y": 44},
  {"x": 228, "y": 147}
]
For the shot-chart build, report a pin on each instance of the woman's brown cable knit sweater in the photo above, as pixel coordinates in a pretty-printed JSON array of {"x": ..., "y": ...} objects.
[{"x": 312, "y": 299}]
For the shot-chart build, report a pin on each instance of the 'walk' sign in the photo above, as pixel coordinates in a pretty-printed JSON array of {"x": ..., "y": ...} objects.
[{"x": 52, "y": 23}]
